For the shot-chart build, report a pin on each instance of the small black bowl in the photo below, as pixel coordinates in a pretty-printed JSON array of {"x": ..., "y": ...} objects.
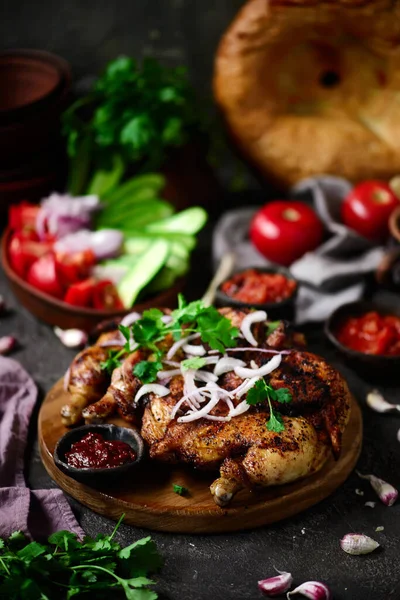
[
  {"x": 371, "y": 366},
  {"x": 285, "y": 309},
  {"x": 99, "y": 477}
]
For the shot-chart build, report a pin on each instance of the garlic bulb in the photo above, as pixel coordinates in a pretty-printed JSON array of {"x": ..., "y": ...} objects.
[
  {"x": 275, "y": 586},
  {"x": 71, "y": 338},
  {"x": 7, "y": 343},
  {"x": 377, "y": 402},
  {"x": 315, "y": 590},
  {"x": 358, "y": 543},
  {"x": 386, "y": 492}
]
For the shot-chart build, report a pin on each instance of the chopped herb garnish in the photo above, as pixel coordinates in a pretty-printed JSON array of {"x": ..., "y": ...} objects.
[
  {"x": 262, "y": 392},
  {"x": 147, "y": 370},
  {"x": 112, "y": 362},
  {"x": 180, "y": 489},
  {"x": 65, "y": 567},
  {"x": 193, "y": 363},
  {"x": 213, "y": 328}
]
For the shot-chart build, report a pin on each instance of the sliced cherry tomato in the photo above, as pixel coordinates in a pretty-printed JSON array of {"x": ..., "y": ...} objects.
[
  {"x": 23, "y": 252},
  {"x": 105, "y": 296},
  {"x": 72, "y": 268},
  {"x": 81, "y": 293},
  {"x": 23, "y": 216},
  {"x": 43, "y": 276}
]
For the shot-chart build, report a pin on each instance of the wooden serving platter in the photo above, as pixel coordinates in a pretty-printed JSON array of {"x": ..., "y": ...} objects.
[{"x": 149, "y": 501}]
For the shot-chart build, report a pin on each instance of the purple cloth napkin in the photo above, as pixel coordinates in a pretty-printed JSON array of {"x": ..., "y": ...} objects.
[{"x": 37, "y": 513}]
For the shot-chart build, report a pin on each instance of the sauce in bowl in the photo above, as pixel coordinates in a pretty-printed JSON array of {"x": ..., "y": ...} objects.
[
  {"x": 94, "y": 452},
  {"x": 371, "y": 333},
  {"x": 256, "y": 287}
]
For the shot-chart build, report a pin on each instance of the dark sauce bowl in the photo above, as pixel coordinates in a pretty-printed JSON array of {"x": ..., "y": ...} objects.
[
  {"x": 99, "y": 477},
  {"x": 372, "y": 367},
  {"x": 284, "y": 309}
]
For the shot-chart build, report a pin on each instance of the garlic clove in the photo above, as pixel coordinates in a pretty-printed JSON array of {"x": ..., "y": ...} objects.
[
  {"x": 370, "y": 504},
  {"x": 358, "y": 543},
  {"x": 315, "y": 590},
  {"x": 377, "y": 402},
  {"x": 7, "y": 343},
  {"x": 385, "y": 491},
  {"x": 275, "y": 586},
  {"x": 71, "y": 338}
]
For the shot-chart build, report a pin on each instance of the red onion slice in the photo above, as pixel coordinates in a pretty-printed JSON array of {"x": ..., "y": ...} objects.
[
  {"x": 227, "y": 364},
  {"x": 151, "y": 388},
  {"x": 194, "y": 350},
  {"x": 130, "y": 318},
  {"x": 104, "y": 243},
  {"x": 175, "y": 347},
  {"x": 255, "y": 317},
  {"x": 262, "y": 371}
]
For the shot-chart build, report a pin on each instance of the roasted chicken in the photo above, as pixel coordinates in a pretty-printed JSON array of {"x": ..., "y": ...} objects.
[{"x": 204, "y": 420}]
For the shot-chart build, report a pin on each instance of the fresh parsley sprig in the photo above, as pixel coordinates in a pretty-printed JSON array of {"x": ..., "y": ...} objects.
[
  {"x": 65, "y": 567},
  {"x": 262, "y": 392}
]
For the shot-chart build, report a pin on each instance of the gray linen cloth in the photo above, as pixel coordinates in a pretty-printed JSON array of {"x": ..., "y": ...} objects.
[
  {"x": 37, "y": 513},
  {"x": 333, "y": 274}
]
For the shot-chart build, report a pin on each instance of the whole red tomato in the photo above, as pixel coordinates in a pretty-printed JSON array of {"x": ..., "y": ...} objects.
[
  {"x": 367, "y": 209},
  {"x": 285, "y": 230}
]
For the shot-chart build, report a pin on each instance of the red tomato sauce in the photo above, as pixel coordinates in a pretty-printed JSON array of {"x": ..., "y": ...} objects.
[
  {"x": 371, "y": 333},
  {"x": 94, "y": 452},
  {"x": 255, "y": 287}
]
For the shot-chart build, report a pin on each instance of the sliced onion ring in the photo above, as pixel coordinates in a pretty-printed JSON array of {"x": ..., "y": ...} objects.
[
  {"x": 151, "y": 388},
  {"x": 227, "y": 364},
  {"x": 262, "y": 371},
  {"x": 255, "y": 317}
]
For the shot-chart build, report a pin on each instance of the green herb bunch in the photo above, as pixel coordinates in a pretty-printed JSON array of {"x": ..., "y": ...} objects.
[
  {"x": 66, "y": 568},
  {"x": 135, "y": 111},
  {"x": 214, "y": 329}
]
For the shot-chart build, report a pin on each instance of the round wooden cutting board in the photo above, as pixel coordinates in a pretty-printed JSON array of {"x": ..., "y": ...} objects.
[{"x": 149, "y": 501}]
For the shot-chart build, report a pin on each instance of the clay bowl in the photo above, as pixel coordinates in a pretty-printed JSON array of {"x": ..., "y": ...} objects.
[
  {"x": 372, "y": 367},
  {"x": 284, "y": 309},
  {"x": 34, "y": 86},
  {"x": 106, "y": 476},
  {"x": 56, "y": 312}
]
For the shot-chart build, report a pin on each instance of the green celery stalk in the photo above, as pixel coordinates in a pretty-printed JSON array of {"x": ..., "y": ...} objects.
[{"x": 105, "y": 180}]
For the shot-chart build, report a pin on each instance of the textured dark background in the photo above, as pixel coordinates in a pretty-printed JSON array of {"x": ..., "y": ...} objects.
[
  {"x": 90, "y": 32},
  {"x": 221, "y": 567}
]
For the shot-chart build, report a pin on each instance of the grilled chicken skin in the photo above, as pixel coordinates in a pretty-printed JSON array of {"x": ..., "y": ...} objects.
[
  {"x": 244, "y": 450},
  {"x": 247, "y": 453},
  {"x": 87, "y": 380}
]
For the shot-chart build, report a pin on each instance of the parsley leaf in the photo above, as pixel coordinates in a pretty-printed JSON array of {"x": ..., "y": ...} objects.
[
  {"x": 66, "y": 567},
  {"x": 180, "y": 489},
  {"x": 260, "y": 392},
  {"x": 257, "y": 393},
  {"x": 147, "y": 371},
  {"x": 193, "y": 363},
  {"x": 275, "y": 422},
  {"x": 283, "y": 395},
  {"x": 112, "y": 362}
]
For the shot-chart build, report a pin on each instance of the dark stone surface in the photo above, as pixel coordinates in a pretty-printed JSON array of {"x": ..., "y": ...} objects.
[
  {"x": 90, "y": 33},
  {"x": 228, "y": 566}
]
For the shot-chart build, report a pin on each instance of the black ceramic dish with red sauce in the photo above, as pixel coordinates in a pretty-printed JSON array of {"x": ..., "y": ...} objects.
[
  {"x": 246, "y": 289},
  {"x": 98, "y": 454}
]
